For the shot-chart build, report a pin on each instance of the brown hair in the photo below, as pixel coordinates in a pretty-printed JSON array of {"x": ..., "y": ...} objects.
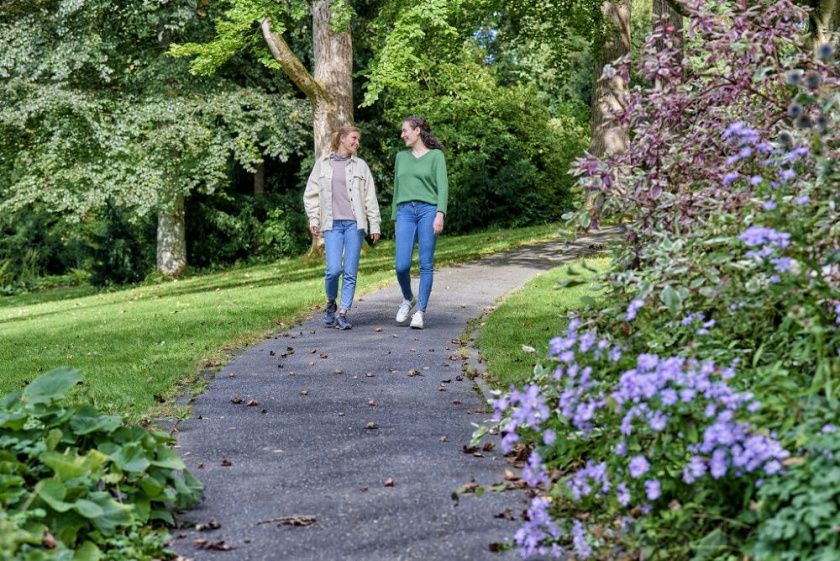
[
  {"x": 342, "y": 132},
  {"x": 425, "y": 131}
]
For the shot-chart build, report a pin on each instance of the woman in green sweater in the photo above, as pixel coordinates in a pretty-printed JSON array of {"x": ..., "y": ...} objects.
[{"x": 421, "y": 189}]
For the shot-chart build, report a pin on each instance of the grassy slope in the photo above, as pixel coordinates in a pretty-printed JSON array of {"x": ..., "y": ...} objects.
[
  {"x": 135, "y": 344},
  {"x": 531, "y": 316}
]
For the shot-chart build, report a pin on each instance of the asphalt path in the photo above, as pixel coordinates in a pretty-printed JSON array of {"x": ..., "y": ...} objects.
[{"x": 320, "y": 444}]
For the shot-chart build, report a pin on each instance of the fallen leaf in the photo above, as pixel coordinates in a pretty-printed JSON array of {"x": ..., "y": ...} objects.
[
  {"x": 389, "y": 482},
  {"x": 323, "y": 355},
  {"x": 447, "y": 381},
  {"x": 304, "y": 392},
  {"x": 488, "y": 446},
  {"x": 507, "y": 514},
  {"x": 295, "y": 520},
  {"x": 264, "y": 411},
  {"x": 412, "y": 350},
  {"x": 378, "y": 330},
  {"x": 341, "y": 413},
  {"x": 456, "y": 402},
  {"x": 528, "y": 349},
  {"x": 497, "y": 547},
  {"x": 226, "y": 463},
  {"x": 478, "y": 455},
  {"x": 373, "y": 403},
  {"x": 371, "y": 426},
  {"x": 311, "y": 363},
  {"x": 271, "y": 353},
  {"x": 412, "y": 373},
  {"x": 253, "y": 403},
  {"x": 338, "y": 371},
  {"x": 212, "y": 525},
  {"x": 370, "y": 374},
  {"x": 218, "y": 545},
  {"x": 510, "y": 476},
  {"x": 469, "y": 449},
  {"x": 363, "y": 488},
  {"x": 458, "y": 378},
  {"x": 454, "y": 357},
  {"x": 199, "y": 466},
  {"x": 313, "y": 351},
  {"x": 48, "y": 540},
  {"x": 444, "y": 439}
]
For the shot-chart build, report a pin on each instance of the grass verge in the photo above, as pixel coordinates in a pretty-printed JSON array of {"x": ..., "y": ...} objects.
[
  {"x": 531, "y": 317},
  {"x": 136, "y": 346}
]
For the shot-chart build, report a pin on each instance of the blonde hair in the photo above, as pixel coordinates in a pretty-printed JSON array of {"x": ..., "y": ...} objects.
[{"x": 342, "y": 132}]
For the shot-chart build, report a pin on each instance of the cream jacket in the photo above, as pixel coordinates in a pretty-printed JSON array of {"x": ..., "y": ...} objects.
[{"x": 317, "y": 198}]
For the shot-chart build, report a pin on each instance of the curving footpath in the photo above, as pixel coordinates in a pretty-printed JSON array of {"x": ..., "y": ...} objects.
[{"x": 328, "y": 445}]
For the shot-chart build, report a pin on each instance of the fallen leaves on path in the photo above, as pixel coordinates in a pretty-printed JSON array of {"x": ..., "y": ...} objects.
[
  {"x": 371, "y": 426},
  {"x": 226, "y": 463},
  {"x": 412, "y": 373},
  {"x": 294, "y": 520},
  {"x": 304, "y": 392},
  {"x": 253, "y": 403},
  {"x": 373, "y": 402},
  {"x": 236, "y": 399},
  {"x": 212, "y": 525},
  {"x": 216, "y": 545},
  {"x": 389, "y": 482}
]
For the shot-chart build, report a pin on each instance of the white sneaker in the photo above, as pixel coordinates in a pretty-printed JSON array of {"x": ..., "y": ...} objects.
[
  {"x": 417, "y": 320},
  {"x": 405, "y": 310}
]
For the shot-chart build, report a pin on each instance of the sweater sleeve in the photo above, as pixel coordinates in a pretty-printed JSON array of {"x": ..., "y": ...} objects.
[
  {"x": 396, "y": 186},
  {"x": 442, "y": 183}
]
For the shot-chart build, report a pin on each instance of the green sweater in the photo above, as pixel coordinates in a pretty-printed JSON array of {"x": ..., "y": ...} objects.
[{"x": 420, "y": 179}]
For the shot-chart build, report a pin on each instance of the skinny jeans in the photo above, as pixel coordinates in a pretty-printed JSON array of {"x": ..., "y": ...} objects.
[
  {"x": 343, "y": 242},
  {"x": 415, "y": 223}
]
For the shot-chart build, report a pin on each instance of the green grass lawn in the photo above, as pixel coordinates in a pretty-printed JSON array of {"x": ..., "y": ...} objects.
[
  {"x": 135, "y": 344},
  {"x": 532, "y": 316}
]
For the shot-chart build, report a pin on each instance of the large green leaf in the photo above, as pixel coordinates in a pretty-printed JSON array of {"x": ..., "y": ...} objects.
[
  {"x": 166, "y": 458},
  {"x": 131, "y": 457},
  {"x": 65, "y": 466},
  {"x": 13, "y": 420},
  {"x": 88, "y": 509},
  {"x": 113, "y": 515},
  {"x": 88, "y": 420},
  {"x": 10, "y": 400},
  {"x": 88, "y": 551},
  {"x": 51, "y": 386},
  {"x": 53, "y": 491}
]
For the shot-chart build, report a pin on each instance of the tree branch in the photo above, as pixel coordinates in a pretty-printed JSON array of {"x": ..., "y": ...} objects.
[{"x": 292, "y": 65}]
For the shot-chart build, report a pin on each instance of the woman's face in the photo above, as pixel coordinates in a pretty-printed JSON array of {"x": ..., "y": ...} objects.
[
  {"x": 349, "y": 143},
  {"x": 410, "y": 134}
]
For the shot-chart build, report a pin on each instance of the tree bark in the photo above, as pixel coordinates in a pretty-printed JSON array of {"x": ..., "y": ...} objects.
[
  {"x": 330, "y": 90},
  {"x": 612, "y": 40},
  {"x": 825, "y": 19},
  {"x": 664, "y": 10},
  {"x": 334, "y": 69},
  {"x": 259, "y": 179},
  {"x": 171, "y": 238}
]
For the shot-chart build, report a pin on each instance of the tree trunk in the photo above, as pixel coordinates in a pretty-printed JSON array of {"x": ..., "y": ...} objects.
[
  {"x": 612, "y": 40},
  {"x": 825, "y": 19},
  {"x": 663, "y": 10},
  {"x": 171, "y": 238},
  {"x": 334, "y": 70},
  {"x": 259, "y": 179}
]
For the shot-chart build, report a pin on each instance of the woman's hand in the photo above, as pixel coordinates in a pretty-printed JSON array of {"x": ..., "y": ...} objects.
[
  {"x": 375, "y": 237},
  {"x": 438, "y": 225},
  {"x": 314, "y": 231}
]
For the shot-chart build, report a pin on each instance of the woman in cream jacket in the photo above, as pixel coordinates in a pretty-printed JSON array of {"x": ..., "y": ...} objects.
[{"x": 340, "y": 201}]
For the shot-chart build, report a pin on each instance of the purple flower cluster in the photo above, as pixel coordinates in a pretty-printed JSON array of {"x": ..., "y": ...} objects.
[
  {"x": 634, "y": 307},
  {"x": 538, "y": 529},
  {"x": 766, "y": 239},
  {"x": 700, "y": 318},
  {"x": 527, "y": 408}
]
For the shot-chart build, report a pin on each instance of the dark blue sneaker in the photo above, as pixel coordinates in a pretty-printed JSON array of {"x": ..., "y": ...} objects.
[
  {"x": 329, "y": 314},
  {"x": 341, "y": 322}
]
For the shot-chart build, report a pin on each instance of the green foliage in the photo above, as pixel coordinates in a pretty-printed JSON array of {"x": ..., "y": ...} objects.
[
  {"x": 506, "y": 159},
  {"x": 225, "y": 229},
  {"x": 84, "y": 479},
  {"x": 121, "y": 252},
  {"x": 799, "y": 514}
]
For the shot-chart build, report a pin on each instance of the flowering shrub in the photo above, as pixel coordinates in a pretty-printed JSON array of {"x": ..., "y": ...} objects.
[{"x": 678, "y": 417}]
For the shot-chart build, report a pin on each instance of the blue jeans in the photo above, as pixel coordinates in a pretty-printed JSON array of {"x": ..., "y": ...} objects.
[
  {"x": 344, "y": 240},
  {"x": 415, "y": 222}
]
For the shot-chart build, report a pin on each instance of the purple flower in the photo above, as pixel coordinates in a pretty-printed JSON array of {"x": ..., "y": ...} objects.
[
  {"x": 658, "y": 421},
  {"x": 769, "y": 204},
  {"x": 635, "y": 305},
  {"x": 652, "y": 488},
  {"x": 582, "y": 549},
  {"x": 621, "y": 448},
  {"x": 638, "y": 466},
  {"x": 730, "y": 178},
  {"x": 803, "y": 200},
  {"x": 755, "y": 236},
  {"x": 782, "y": 264},
  {"x": 622, "y": 494},
  {"x": 549, "y": 437},
  {"x": 755, "y": 180},
  {"x": 787, "y": 174},
  {"x": 828, "y": 428}
]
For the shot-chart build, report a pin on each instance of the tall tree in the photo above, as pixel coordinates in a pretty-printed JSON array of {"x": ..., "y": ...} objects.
[
  {"x": 612, "y": 41},
  {"x": 92, "y": 112},
  {"x": 824, "y": 20},
  {"x": 329, "y": 87}
]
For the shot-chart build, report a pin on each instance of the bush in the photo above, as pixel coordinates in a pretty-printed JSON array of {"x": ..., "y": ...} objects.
[
  {"x": 688, "y": 418},
  {"x": 72, "y": 479},
  {"x": 507, "y": 159}
]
